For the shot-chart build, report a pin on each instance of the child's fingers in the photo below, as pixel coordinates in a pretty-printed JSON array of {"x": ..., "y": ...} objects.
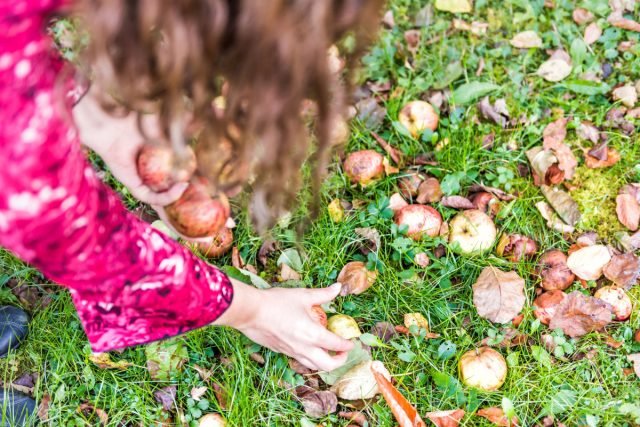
[
  {"x": 324, "y": 362},
  {"x": 145, "y": 194},
  {"x": 321, "y": 296}
]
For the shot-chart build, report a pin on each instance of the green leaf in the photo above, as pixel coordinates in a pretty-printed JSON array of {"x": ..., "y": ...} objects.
[
  {"x": 578, "y": 51},
  {"x": 451, "y": 183},
  {"x": 290, "y": 257},
  {"x": 541, "y": 355},
  {"x": 355, "y": 356},
  {"x": 450, "y": 386},
  {"x": 371, "y": 340},
  {"x": 507, "y": 407},
  {"x": 472, "y": 91},
  {"x": 562, "y": 401},
  {"x": 586, "y": 87},
  {"x": 453, "y": 71},
  {"x": 446, "y": 350}
]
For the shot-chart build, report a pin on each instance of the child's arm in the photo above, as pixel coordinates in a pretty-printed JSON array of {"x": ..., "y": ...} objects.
[{"x": 130, "y": 283}]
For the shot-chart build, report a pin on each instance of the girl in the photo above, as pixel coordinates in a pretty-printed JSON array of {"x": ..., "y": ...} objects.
[{"x": 165, "y": 62}]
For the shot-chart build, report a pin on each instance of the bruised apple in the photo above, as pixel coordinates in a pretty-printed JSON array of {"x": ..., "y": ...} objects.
[
  {"x": 196, "y": 213},
  {"x": 344, "y": 326},
  {"x": 472, "y": 232},
  {"x": 516, "y": 247},
  {"x": 212, "y": 420},
  {"x": 545, "y": 305},
  {"x": 160, "y": 169},
  {"x": 618, "y": 299},
  {"x": 364, "y": 167},
  {"x": 420, "y": 221},
  {"x": 318, "y": 314},
  {"x": 219, "y": 244},
  {"x": 554, "y": 271},
  {"x": 417, "y": 116},
  {"x": 483, "y": 368},
  {"x": 356, "y": 278}
]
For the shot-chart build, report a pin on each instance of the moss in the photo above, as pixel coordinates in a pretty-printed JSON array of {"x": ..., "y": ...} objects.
[{"x": 595, "y": 193}]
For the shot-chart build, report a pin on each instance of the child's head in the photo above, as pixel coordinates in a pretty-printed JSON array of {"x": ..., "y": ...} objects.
[{"x": 265, "y": 56}]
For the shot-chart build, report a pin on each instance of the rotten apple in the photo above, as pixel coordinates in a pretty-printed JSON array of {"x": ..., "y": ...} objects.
[
  {"x": 217, "y": 245},
  {"x": 545, "y": 305},
  {"x": 364, "y": 167},
  {"x": 619, "y": 300},
  {"x": 554, "y": 272}
]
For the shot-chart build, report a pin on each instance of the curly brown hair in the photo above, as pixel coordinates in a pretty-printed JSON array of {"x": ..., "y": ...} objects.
[{"x": 267, "y": 57}]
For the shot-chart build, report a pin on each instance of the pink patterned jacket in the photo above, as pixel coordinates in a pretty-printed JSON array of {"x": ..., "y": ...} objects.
[{"x": 130, "y": 283}]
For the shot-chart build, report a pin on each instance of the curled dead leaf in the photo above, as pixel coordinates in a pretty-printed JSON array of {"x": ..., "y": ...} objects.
[
  {"x": 623, "y": 270},
  {"x": 167, "y": 397},
  {"x": 497, "y": 417},
  {"x": 566, "y": 208},
  {"x": 429, "y": 191},
  {"x": 617, "y": 20},
  {"x": 89, "y": 410},
  {"x": 316, "y": 403},
  {"x": 553, "y": 221},
  {"x": 457, "y": 202},
  {"x": 498, "y": 296},
  {"x": 198, "y": 392},
  {"x": 554, "y": 70},
  {"x": 356, "y": 417},
  {"x": 553, "y": 136},
  {"x": 356, "y": 278},
  {"x": 612, "y": 157},
  {"x": 586, "y": 130},
  {"x": 446, "y": 418},
  {"x": 580, "y": 314},
  {"x": 526, "y": 40},
  {"x": 628, "y": 211}
]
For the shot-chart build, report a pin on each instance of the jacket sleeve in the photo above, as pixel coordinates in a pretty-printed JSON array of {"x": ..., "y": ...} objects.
[{"x": 129, "y": 282}]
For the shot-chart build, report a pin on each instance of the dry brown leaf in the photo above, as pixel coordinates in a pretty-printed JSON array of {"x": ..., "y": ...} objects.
[
  {"x": 357, "y": 417},
  {"x": 497, "y": 417},
  {"x": 623, "y": 270},
  {"x": 591, "y": 162},
  {"x": 563, "y": 204},
  {"x": 477, "y": 28},
  {"x": 317, "y": 403},
  {"x": 384, "y": 330},
  {"x": 500, "y": 194},
  {"x": 88, "y": 410},
  {"x": 582, "y": 16},
  {"x": 372, "y": 239},
  {"x": 496, "y": 113},
  {"x": 626, "y": 94},
  {"x": 592, "y": 33},
  {"x": 526, "y": 40},
  {"x": 628, "y": 210},
  {"x": 498, "y": 296},
  {"x": 545, "y": 166},
  {"x": 457, "y": 202},
  {"x": 429, "y": 191},
  {"x": 204, "y": 374},
  {"x": 554, "y": 70},
  {"x": 288, "y": 273},
  {"x": 43, "y": 408},
  {"x": 617, "y": 20},
  {"x": 221, "y": 396},
  {"x": 635, "y": 359},
  {"x": 553, "y": 137},
  {"x": 267, "y": 248},
  {"x": 446, "y": 418},
  {"x": 553, "y": 221},
  {"x": 588, "y": 262},
  {"x": 356, "y": 278},
  {"x": 578, "y": 314},
  {"x": 103, "y": 361},
  {"x": 404, "y": 412},
  {"x": 586, "y": 130},
  {"x": 198, "y": 392}
]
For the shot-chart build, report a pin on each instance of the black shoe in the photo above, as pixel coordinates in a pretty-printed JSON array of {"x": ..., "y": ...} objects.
[
  {"x": 14, "y": 325},
  {"x": 16, "y": 409}
]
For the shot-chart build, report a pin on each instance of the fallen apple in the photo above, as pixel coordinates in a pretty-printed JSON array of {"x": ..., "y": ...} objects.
[
  {"x": 420, "y": 221},
  {"x": 636, "y": 337},
  {"x": 619, "y": 300},
  {"x": 483, "y": 368},
  {"x": 554, "y": 272},
  {"x": 219, "y": 244},
  {"x": 212, "y": 420},
  {"x": 545, "y": 305},
  {"x": 196, "y": 213},
  {"x": 343, "y": 326},
  {"x": 160, "y": 169},
  {"x": 356, "y": 278},
  {"x": 359, "y": 382},
  {"x": 364, "y": 167},
  {"x": 472, "y": 232},
  {"x": 417, "y": 116},
  {"x": 516, "y": 247},
  {"x": 318, "y": 314}
]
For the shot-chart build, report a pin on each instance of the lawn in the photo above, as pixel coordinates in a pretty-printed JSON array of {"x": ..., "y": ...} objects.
[{"x": 585, "y": 381}]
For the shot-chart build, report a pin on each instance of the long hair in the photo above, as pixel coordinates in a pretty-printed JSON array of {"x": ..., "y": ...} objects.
[{"x": 264, "y": 58}]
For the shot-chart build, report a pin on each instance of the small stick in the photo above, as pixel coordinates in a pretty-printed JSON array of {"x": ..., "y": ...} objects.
[{"x": 392, "y": 152}]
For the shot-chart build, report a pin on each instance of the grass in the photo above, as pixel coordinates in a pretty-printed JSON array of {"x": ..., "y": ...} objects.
[{"x": 581, "y": 391}]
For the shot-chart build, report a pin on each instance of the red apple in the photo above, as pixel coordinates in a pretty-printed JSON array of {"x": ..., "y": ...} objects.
[
  {"x": 160, "y": 169},
  {"x": 421, "y": 221},
  {"x": 364, "y": 167},
  {"x": 417, "y": 116}
]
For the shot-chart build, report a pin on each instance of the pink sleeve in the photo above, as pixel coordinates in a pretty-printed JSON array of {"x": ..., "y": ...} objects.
[{"x": 130, "y": 283}]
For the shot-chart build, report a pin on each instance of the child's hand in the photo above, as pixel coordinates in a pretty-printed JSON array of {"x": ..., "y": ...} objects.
[
  {"x": 281, "y": 320},
  {"x": 117, "y": 141}
]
